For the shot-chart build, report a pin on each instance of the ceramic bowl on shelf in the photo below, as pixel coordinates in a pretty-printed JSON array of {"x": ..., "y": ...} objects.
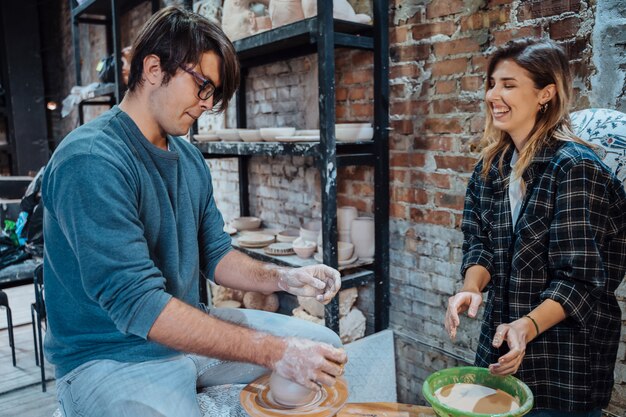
[
  {"x": 303, "y": 248},
  {"x": 246, "y": 223},
  {"x": 288, "y": 235},
  {"x": 228, "y": 135},
  {"x": 271, "y": 133},
  {"x": 250, "y": 135},
  {"x": 311, "y": 230},
  {"x": 345, "y": 250}
]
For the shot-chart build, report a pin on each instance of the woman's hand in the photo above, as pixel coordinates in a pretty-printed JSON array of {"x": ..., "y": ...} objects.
[
  {"x": 458, "y": 303},
  {"x": 516, "y": 334}
]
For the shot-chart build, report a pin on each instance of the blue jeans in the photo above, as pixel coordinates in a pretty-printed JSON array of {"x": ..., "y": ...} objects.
[
  {"x": 167, "y": 387},
  {"x": 555, "y": 413}
]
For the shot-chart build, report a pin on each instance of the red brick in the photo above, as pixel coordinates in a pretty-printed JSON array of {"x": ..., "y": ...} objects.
[
  {"x": 455, "y": 163},
  {"x": 452, "y": 201},
  {"x": 534, "y": 9},
  {"x": 485, "y": 20},
  {"x": 405, "y": 70},
  {"x": 340, "y": 111},
  {"x": 363, "y": 189},
  {"x": 357, "y": 93},
  {"x": 341, "y": 94},
  {"x": 501, "y": 37},
  {"x": 565, "y": 28},
  {"x": 479, "y": 63},
  {"x": 397, "y": 211},
  {"x": 498, "y": 2},
  {"x": 434, "y": 143},
  {"x": 457, "y": 46},
  {"x": 398, "y": 34},
  {"x": 360, "y": 204},
  {"x": 399, "y": 53},
  {"x": 401, "y": 108},
  {"x": 398, "y": 175},
  {"x": 362, "y": 59},
  {"x": 445, "y": 86},
  {"x": 418, "y": 160},
  {"x": 448, "y": 106},
  {"x": 439, "y": 8},
  {"x": 403, "y": 127},
  {"x": 362, "y": 110},
  {"x": 399, "y": 159},
  {"x": 409, "y": 195},
  {"x": 426, "y": 30},
  {"x": 431, "y": 216},
  {"x": 472, "y": 83},
  {"x": 450, "y": 66},
  {"x": 357, "y": 77},
  {"x": 421, "y": 179},
  {"x": 443, "y": 125}
]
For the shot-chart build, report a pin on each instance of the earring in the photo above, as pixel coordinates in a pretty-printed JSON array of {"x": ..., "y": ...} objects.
[{"x": 543, "y": 108}]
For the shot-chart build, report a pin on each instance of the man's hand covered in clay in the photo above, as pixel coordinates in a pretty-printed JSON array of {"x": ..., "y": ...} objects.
[
  {"x": 319, "y": 281},
  {"x": 310, "y": 363}
]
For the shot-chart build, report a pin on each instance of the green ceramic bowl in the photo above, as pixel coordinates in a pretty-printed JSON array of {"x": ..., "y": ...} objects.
[{"x": 480, "y": 376}]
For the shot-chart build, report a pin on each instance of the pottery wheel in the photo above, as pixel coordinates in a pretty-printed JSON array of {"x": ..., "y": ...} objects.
[{"x": 257, "y": 400}]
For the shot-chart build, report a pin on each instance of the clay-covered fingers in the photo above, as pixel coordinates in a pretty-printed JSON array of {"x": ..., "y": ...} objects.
[
  {"x": 329, "y": 276},
  {"x": 451, "y": 321}
]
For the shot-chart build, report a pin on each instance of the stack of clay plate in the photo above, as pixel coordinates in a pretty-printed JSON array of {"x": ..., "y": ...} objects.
[
  {"x": 279, "y": 249},
  {"x": 209, "y": 136},
  {"x": 271, "y": 133},
  {"x": 228, "y": 135},
  {"x": 254, "y": 240}
]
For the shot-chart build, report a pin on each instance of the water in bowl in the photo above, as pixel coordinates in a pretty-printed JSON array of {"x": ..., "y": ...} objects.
[{"x": 476, "y": 398}]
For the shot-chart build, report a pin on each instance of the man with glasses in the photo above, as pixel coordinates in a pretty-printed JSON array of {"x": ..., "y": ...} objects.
[{"x": 130, "y": 227}]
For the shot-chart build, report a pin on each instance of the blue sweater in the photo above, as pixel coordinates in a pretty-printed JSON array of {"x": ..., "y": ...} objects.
[{"x": 127, "y": 226}]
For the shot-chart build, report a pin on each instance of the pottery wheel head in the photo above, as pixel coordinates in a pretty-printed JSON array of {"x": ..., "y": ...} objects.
[{"x": 257, "y": 400}]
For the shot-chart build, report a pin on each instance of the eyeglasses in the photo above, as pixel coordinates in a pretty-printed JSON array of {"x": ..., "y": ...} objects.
[{"x": 206, "y": 88}]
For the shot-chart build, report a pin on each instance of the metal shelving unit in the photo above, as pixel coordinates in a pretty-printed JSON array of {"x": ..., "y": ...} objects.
[
  {"x": 321, "y": 35},
  {"x": 106, "y": 13}
]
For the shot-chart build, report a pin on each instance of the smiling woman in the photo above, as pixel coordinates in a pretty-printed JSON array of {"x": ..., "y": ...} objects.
[{"x": 544, "y": 230}]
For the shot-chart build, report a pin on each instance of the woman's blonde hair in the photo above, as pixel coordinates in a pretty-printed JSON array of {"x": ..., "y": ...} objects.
[{"x": 546, "y": 63}]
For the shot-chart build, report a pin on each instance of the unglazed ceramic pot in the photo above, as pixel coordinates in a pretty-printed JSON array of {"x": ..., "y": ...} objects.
[
  {"x": 288, "y": 393},
  {"x": 362, "y": 235},
  {"x": 345, "y": 215}
]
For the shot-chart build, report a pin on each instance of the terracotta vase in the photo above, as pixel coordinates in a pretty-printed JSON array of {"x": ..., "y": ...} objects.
[
  {"x": 362, "y": 235},
  {"x": 283, "y": 12}
]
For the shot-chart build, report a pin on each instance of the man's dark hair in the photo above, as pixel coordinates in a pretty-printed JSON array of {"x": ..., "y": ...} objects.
[{"x": 180, "y": 37}]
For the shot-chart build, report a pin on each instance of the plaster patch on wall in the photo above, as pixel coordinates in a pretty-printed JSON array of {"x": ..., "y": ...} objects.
[
  {"x": 609, "y": 56},
  {"x": 405, "y": 11}
]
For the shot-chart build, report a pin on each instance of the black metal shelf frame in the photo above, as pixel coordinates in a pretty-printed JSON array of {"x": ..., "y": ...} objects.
[
  {"x": 321, "y": 35},
  {"x": 107, "y": 13}
]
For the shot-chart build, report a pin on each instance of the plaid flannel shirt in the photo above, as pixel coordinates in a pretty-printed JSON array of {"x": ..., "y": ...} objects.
[{"x": 568, "y": 245}]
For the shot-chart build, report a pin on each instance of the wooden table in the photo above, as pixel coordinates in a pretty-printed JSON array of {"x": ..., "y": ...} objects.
[{"x": 385, "y": 410}]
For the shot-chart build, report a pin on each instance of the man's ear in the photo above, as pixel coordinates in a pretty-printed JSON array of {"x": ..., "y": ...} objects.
[
  {"x": 152, "y": 71},
  {"x": 547, "y": 93}
]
